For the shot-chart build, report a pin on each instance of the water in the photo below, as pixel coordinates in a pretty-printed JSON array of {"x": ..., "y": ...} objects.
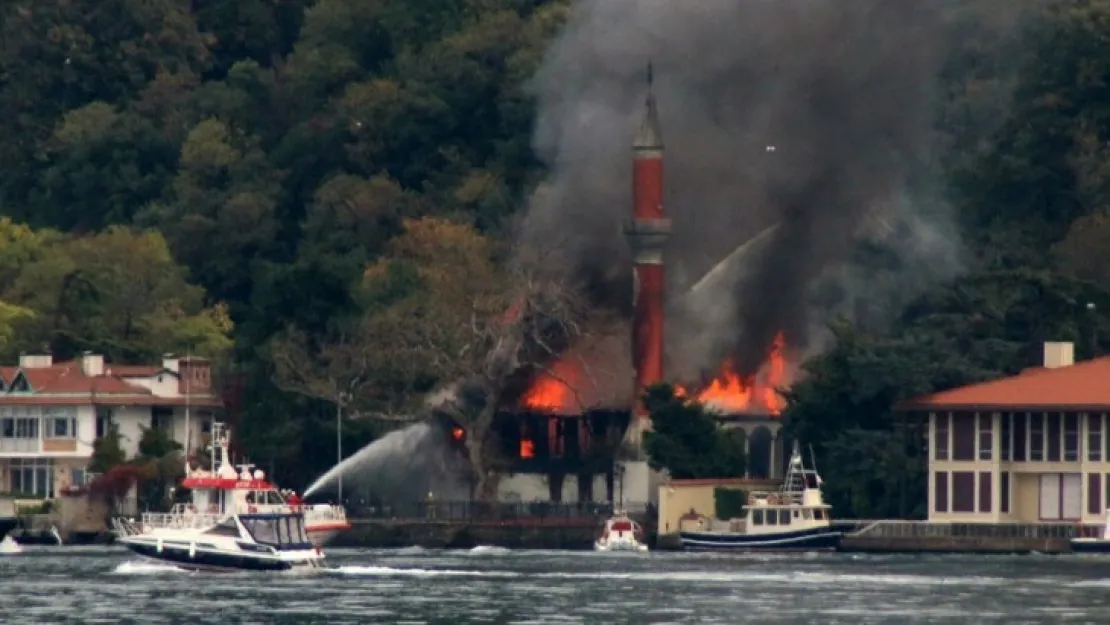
[
  {"x": 402, "y": 465},
  {"x": 491, "y": 585}
]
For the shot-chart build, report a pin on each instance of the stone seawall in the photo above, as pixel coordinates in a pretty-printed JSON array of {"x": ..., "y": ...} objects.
[{"x": 464, "y": 535}]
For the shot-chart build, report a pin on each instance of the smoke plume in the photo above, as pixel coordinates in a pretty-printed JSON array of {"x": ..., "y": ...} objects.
[{"x": 815, "y": 115}]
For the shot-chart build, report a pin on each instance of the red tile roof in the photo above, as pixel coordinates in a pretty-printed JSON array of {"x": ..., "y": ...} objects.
[
  {"x": 1082, "y": 386},
  {"x": 65, "y": 383}
]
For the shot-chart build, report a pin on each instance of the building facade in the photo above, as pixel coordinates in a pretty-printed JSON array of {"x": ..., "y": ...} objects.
[
  {"x": 52, "y": 412},
  {"x": 1028, "y": 448}
]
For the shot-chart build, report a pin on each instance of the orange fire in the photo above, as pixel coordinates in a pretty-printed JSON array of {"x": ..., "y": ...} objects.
[
  {"x": 458, "y": 433},
  {"x": 527, "y": 448},
  {"x": 730, "y": 392},
  {"x": 553, "y": 390}
]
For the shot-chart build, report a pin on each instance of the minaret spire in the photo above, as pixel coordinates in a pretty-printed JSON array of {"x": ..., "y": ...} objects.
[{"x": 647, "y": 232}]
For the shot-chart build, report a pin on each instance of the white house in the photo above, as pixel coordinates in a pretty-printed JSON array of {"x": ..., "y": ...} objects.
[
  {"x": 50, "y": 413},
  {"x": 1030, "y": 448}
]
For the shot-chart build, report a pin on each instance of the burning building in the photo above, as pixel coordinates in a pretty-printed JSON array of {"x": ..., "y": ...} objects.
[{"x": 574, "y": 418}]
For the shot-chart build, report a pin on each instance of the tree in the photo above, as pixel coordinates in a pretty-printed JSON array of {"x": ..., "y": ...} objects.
[
  {"x": 120, "y": 293},
  {"x": 107, "y": 452},
  {"x": 161, "y": 467},
  {"x": 686, "y": 441},
  {"x": 441, "y": 314}
]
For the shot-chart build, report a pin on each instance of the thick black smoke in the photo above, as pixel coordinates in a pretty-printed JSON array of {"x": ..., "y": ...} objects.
[{"x": 817, "y": 115}]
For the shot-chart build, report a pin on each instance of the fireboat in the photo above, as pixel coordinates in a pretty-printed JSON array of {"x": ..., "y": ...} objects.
[{"x": 236, "y": 520}]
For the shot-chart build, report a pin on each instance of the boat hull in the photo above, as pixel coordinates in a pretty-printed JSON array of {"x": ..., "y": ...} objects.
[
  {"x": 1090, "y": 545},
  {"x": 814, "y": 539},
  {"x": 620, "y": 546},
  {"x": 215, "y": 560},
  {"x": 322, "y": 533}
]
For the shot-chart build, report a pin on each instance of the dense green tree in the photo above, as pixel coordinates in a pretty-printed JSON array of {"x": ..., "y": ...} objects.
[
  {"x": 107, "y": 452},
  {"x": 687, "y": 442}
]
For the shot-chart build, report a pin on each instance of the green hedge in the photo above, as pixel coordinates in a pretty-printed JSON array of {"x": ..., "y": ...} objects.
[{"x": 729, "y": 502}]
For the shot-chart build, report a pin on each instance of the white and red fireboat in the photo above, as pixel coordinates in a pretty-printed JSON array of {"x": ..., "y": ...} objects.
[{"x": 222, "y": 491}]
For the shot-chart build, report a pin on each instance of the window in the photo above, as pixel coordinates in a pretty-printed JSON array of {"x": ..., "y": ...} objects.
[
  {"x": 986, "y": 436},
  {"x": 1094, "y": 437},
  {"x": 1094, "y": 493},
  {"x": 1004, "y": 492},
  {"x": 1007, "y": 435},
  {"x": 940, "y": 442},
  {"x": 784, "y": 517},
  {"x": 60, "y": 423},
  {"x": 819, "y": 515},
  {"x": 1036, "y": 437},
  {"x": 963, "y": 436},
  {"x": 985, "y": 491},
  {"x": 757, "y": 517},
  {"x": 1021, "y": 436},
  {"x": 1052, "y": 434},
  {"x": 940, "y": 491},
  {"x": 31, "y": 476},
  {"x": 20, "y": 384},
  {"x": 1071, "y": 437},
  {"x": 103, "y": 421},
  {"x": 78, "y": 477},
  {"x": 772, "y": 518},
  {"x": 963, "y": 491},
  {"x": 161, "y": 418},
  {"x": 227, "y": 527}
]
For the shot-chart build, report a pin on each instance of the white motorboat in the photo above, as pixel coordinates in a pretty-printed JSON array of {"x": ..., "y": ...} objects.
[
  {"x": 795, "y": 518},
  {"x": 621, "y": 534},
  {"x": 237, "y": 520},
  {"x": 218, "y": 493}
]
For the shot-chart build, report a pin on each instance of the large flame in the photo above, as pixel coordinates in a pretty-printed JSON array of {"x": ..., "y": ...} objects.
[
  {"x": 729, "y": 391},
  {"x": 553, "y": 389}
]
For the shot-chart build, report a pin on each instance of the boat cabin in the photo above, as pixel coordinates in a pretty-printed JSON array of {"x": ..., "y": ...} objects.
[{"x": 280, "y": 531}]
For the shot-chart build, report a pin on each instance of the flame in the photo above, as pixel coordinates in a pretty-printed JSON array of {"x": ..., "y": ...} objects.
[
  {"x": 731, "y": 392},
  {"x": 527, "y": 448},
  {"x": 553, "y": 389},
  {"x": 458, "y": 433}
]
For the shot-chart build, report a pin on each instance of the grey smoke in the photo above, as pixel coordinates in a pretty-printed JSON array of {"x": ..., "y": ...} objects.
[{"x": 845, "y": 91}]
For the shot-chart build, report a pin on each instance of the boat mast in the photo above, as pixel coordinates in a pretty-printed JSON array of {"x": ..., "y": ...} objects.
[{"x": 188, "y": 358}]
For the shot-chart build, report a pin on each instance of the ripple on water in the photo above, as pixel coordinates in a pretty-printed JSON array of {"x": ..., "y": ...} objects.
[{"x": 494, "y": 585}]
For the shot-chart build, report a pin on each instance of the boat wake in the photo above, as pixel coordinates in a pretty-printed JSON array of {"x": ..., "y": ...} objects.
[
  {"x": 489, "y": 550},
  {"x": 9, "y": 547},
  {"x": 138, "y": 567}
]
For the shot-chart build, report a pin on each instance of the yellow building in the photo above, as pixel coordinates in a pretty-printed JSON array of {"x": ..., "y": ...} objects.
[
  {"x": 695, "y": 497},
  {"x": 1029, "y": 448}
]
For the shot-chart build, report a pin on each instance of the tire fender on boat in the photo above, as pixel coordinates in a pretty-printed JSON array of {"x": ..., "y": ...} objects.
[
  {"x": 192, "y": 550},
  {"x": 159, "y": 545}
]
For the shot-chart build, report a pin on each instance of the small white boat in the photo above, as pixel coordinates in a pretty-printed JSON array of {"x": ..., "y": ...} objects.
[
  {"x": 9, "y": 547},
  {"x": 795, "y": 518},
  {"x": 1093, "y": 540},
  {"x": 621, "y": 534},
  {"x": 237, "y": 521}
]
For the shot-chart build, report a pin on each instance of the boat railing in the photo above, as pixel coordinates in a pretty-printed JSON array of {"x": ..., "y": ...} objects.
[
  {"x": 324, "y": 513},
  {"x": 176, "y": 520},
  {"x": 896, "y": 528}
]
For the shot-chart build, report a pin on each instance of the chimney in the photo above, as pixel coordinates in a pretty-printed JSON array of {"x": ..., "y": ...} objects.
[
  {"x": 647, "y": 233},
  {"x": 92, "y": 364},
  {"x": 195, "y": 376},
  {"x": 35, "y": 361},
  {"x": 1058, "y": 354}
]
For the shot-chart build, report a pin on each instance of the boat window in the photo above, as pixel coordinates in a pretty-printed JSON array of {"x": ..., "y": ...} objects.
[
  {"x": 784, "y": 517},
  {"x": 300, "y": 535},
  {"x": 263, "y": 530},
  {"x": 227, "y": 527},
  {"x": 250, "y": 497},
  {"x": 274, "y": 498},
  {"x": 757, "y": 517},
  {"x": 796, "y": 515},
  {"x": 807, "y": 514},
  {"x": 283, "y": 531},
  {"x": 772, "y": 518},
  {"x": 819, "y": 515}
]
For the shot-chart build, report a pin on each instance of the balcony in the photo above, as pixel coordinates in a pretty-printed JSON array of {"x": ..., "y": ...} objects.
[{"x": 21, "y": 445}]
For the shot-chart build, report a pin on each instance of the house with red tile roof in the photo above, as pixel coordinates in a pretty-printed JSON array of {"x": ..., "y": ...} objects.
[
  {"x": 1030, "y": 448},
  {"x": 52, "y": 412}
]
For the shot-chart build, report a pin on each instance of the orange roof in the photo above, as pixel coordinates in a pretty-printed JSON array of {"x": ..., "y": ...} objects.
[
  {"x": 65, "y": 383},
  {"x": 1082, "y": 386}
]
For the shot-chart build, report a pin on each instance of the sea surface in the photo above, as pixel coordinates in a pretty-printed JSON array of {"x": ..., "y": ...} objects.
[{"x": 492, "y": 585}]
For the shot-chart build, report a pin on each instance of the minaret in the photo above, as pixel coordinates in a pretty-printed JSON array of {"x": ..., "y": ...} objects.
[{"x": 647, "y": 234}]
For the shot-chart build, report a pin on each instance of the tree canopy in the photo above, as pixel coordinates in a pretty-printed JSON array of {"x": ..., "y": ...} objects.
[
  {"x": 280, "y": 184},
  {"x": 686, "y": 440}
]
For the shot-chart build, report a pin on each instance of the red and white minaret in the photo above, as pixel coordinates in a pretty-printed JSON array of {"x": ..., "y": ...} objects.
[{"x": 647, "y": 234}]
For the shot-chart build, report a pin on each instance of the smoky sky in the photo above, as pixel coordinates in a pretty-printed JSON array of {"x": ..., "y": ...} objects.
[{"x": 816, "y": 115}]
